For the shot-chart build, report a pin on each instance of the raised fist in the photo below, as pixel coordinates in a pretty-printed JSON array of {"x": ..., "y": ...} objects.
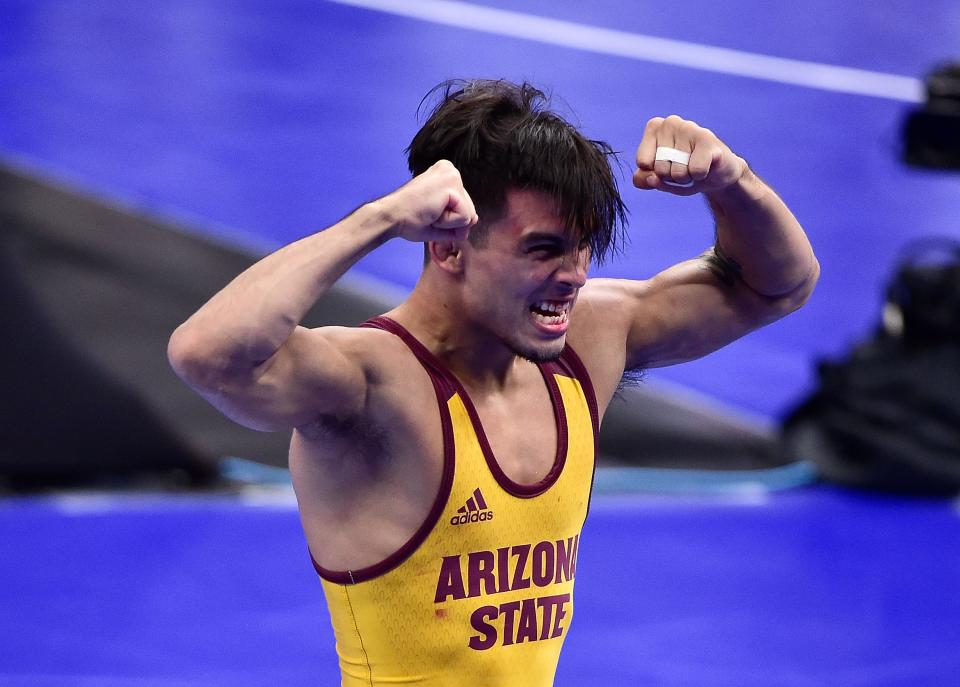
[
  {"x": 433, "y": 206},
  {"x": 683, "y": 158}
]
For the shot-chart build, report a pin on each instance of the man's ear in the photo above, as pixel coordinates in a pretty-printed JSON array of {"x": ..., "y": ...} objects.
[{"x": 447, "y": 255}]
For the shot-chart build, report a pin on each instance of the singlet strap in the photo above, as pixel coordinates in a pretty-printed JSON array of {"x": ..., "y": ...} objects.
[
  {"x": 444, "y": 391},
  {"x": 434, "y": 368},
  {"x": 575, "y": 367},
  {"x": 571, "y": 361}
]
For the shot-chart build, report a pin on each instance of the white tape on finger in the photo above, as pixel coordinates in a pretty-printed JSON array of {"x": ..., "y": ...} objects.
[{"x": 673, "y": 155}]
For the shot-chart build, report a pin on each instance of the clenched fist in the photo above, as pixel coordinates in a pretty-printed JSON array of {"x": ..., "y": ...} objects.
[
  {"x": 433, "y": 206},
  {"x": 711, "y": 167}
]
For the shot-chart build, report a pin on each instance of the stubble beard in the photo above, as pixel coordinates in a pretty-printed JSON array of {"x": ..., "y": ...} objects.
[{"x": 536, "y": 355}]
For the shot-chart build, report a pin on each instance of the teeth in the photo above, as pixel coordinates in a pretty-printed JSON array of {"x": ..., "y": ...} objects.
[
  {"x": 551, "y": 319},
  {"x": 547, "y": 306},
  {"x": 559, "y": 312}
]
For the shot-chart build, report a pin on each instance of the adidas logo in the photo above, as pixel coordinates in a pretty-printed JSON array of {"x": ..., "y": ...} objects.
[{"x": 475, "y": 510}]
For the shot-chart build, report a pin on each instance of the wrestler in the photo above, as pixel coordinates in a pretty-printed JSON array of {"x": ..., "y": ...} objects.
[{"x": 442, "y": 455}]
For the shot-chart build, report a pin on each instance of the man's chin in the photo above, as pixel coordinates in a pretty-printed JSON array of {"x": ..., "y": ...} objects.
[{"x": 542, "y": 353}]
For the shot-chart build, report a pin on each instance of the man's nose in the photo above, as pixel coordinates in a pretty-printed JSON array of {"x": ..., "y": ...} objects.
[{"x": 573, "y": 271}]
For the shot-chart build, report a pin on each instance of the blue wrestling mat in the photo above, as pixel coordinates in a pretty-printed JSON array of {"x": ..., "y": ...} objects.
[{"x": 808, "y": 587}]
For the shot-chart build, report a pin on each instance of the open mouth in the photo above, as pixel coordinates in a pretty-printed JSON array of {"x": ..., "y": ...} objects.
[{"x": 552, "y": 315}]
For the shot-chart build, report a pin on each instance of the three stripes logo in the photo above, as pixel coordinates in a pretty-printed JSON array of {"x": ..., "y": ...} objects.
[{"x": 475, "y": 510}]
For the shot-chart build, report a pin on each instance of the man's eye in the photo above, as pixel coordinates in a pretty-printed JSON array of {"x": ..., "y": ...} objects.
[{"x": 544, "y": 249}]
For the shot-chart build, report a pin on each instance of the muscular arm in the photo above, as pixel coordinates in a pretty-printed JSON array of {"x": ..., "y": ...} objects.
[
  {"x": 759, "y": 241},
  {"x": 761, "y": 267},
  {"x": 245, "y": 353},
  {"x": 244, "y": 350}
]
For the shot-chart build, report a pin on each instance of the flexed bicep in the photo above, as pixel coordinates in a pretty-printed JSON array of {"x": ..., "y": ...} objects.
[
  {"x": 694, "y": 308},
  {"x": 316, "y": 372}
]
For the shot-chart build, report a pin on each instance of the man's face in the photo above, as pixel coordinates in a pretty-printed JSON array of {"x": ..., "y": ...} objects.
[{"x": 521, "y": 285}]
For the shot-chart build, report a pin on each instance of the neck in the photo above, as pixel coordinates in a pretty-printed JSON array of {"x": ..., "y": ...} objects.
[{"x": 434, "y": 315}]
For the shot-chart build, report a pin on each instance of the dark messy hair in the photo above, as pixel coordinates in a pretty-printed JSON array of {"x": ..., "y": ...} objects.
[{"x": 501, "y": 136}]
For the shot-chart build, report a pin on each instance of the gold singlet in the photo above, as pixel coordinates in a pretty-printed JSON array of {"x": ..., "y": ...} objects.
[{"x": 482, "y": 593}]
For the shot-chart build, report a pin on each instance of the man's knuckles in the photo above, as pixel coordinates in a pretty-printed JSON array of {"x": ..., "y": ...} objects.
[{"x": 699, "y": 170}]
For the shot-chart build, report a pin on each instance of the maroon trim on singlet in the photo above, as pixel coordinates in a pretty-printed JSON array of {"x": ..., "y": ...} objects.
[
  {"x": 572, "y": 361},
  {"x": 443, "y": 391},
  {"x": 579, "y": 370},
  {"x": 560, "y": 417}
]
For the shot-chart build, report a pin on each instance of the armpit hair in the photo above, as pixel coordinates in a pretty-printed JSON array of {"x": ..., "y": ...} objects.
[
  {"x": 630, "y": 380},
  {"x": 723, "y": 267},
  {"x": 361, "y": 441}
]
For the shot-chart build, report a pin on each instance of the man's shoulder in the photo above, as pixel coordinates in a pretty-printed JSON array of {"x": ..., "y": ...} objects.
[
  {"x": 603, "y": 311},
  {"x": 610, "y": 291},
  {"x": 392, "y": 371},
  {"x": 599, "y": 328},
  {"x": 373, "y": 348}
]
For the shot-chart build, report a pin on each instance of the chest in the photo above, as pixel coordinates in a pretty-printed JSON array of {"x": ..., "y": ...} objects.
[{"x": 521, "y": 430}]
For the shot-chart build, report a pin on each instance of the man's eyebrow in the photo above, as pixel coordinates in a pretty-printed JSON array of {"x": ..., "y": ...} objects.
[{"x": 546, "y": 237}]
